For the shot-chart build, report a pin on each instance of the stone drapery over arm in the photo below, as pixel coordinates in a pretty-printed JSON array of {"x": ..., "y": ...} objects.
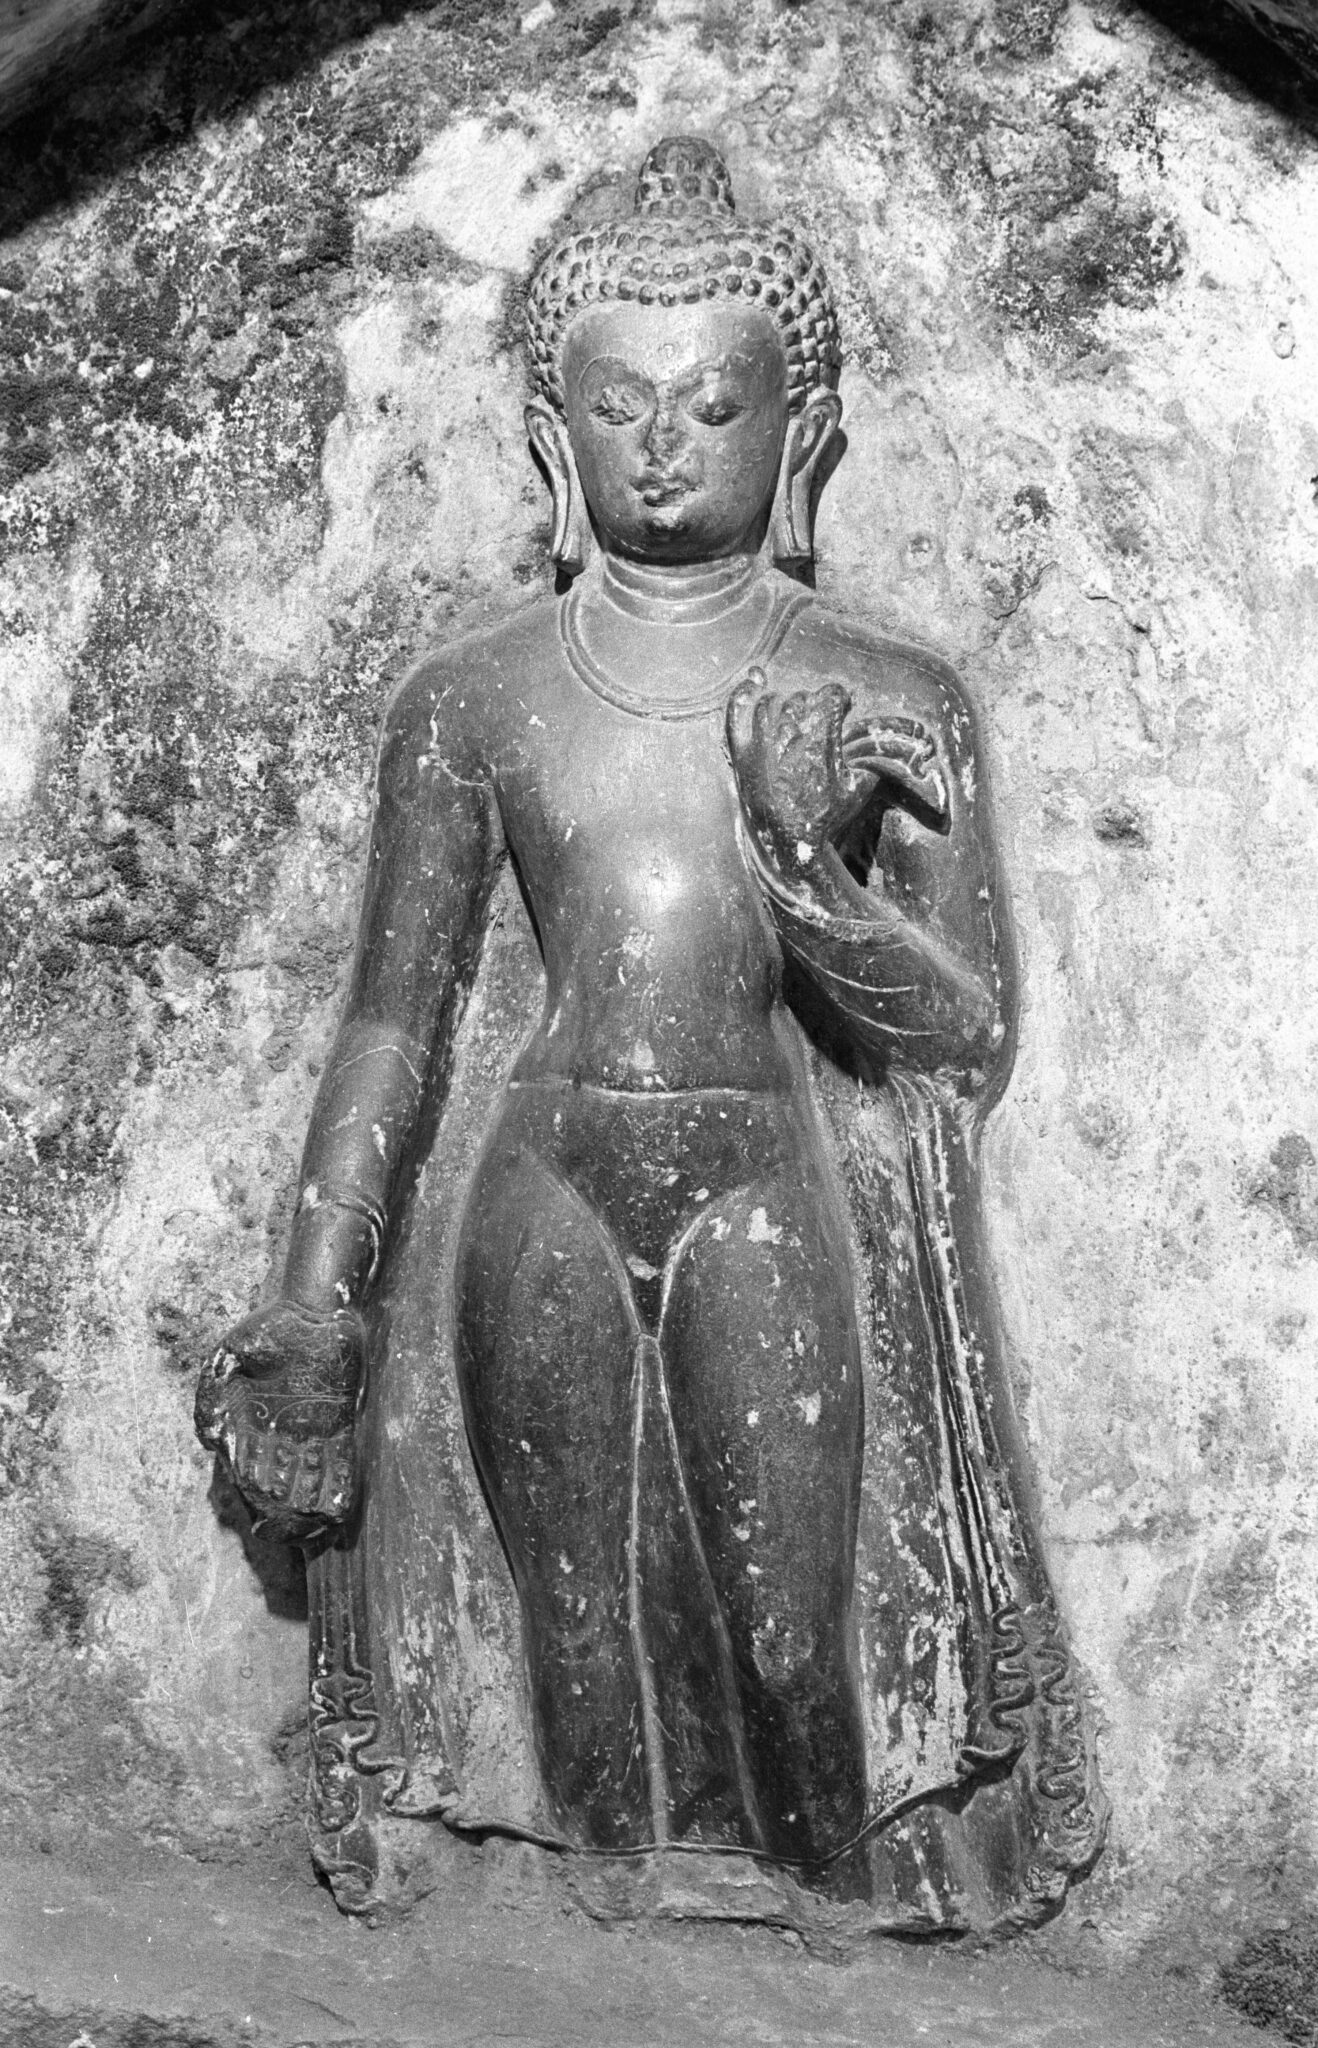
[{"x": 918, "y": 962}]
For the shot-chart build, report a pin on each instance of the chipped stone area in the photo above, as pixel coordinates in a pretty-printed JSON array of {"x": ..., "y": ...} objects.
[{"x": 261, "y": 399}]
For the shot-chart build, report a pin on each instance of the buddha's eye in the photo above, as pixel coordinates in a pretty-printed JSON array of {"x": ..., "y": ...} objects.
[
  {"x": 714, "y": 408},
  {"x": 618, "y": 404}
]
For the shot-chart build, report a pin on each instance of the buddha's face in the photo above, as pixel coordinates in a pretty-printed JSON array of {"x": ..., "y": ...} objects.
[{"x": 677, "y": 417}]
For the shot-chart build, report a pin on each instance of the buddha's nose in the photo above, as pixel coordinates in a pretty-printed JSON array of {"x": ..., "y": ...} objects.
[{"x": 663, "y": 436}]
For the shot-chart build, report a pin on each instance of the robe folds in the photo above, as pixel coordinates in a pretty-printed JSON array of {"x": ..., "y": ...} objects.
[{"x": 983, "y": 1800}]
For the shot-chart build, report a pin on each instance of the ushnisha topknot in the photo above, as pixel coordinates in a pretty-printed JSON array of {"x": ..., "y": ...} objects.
[{"x": 684, "y": 243}]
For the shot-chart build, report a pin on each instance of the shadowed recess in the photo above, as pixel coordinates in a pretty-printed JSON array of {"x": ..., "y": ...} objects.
[
  {"x": 1270, "y": 51},
  {"x": 117, "y": 98}
]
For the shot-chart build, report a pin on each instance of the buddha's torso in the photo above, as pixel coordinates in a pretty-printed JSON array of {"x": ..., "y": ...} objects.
[{"x": 620, "y": 809}]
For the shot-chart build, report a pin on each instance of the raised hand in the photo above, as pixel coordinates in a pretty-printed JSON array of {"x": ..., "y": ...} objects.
[
  {"x": 280, "y": 1399},
  {"x": 804, "y": 770}
]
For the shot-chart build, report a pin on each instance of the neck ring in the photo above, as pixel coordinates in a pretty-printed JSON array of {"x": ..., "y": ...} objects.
[
  {"x": 683, "y": 594},
  {"x": 767, "y": 605}
]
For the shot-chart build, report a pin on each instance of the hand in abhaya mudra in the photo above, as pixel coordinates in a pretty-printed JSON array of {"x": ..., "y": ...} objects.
[{"x": 806, "y": 770}]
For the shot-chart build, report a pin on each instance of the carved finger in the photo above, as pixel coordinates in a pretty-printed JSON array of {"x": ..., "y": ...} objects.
[
  {"x": 942, "y": 803},
  {"x": 222, "y": 1413},
  {"x": 901, "y": 773},
  {"x": 923, "y": 795},
  {"x": 908, "y": 728},
  {"x": 748, "y": 719},
  {"x": 268, "y": 1466},
  {"x": 837, "y": 706},
  {"x": 224, "y": 1365},
  {"x": 916, "y": 756},
  {"x": 761, "y": 721},
  {"x": 883, "y": 762},
  {"x": 207, "y": 1410},
  {"x": 917, "y": 750},
  {"x": 338, "y": 1486},
  {"x": 211, "y": 1402},
  {"x": 741, "y": 715},
  {"x": 858, "y": 781},
  {"x": 307, "y": 1480},
  {"x": 252, "y": 1462}
]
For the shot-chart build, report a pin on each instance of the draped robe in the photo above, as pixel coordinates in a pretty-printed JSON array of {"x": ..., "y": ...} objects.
[{"x": 983, "y": 1801}]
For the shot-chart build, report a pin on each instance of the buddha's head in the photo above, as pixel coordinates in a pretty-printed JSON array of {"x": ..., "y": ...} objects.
[{"x": 686, "y": 367}]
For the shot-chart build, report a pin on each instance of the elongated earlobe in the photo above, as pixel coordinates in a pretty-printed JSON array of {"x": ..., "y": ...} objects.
[
  {"x": 791, "y": 522},
  {"x": 570, "y": 544}
]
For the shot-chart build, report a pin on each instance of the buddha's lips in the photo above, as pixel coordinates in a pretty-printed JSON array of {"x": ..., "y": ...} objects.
[{"x": 664, "y": 490}]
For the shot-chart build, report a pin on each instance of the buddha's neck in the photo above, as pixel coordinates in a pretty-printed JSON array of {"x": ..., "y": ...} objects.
[
  {"x": 669, "y": 640},
  {"x": 680, "y": 593}
]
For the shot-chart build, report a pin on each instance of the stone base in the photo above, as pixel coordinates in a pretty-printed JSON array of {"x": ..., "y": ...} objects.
[{"x": 127, "y": 1948}]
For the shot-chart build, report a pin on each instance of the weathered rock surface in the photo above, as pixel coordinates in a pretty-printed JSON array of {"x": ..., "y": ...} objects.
[
  {"x": 124, "y": 1954},
  {"x": 261, "y": 400}
]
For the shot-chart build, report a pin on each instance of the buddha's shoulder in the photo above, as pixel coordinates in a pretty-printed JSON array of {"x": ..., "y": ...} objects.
[
  {"x": 832, "y": 647},
  {"x": 463, "y": 679}
]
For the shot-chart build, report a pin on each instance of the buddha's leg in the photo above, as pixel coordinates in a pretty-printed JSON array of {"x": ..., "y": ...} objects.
[
  {"x": 763, "y": 1370},
  {"x": 546, "y": 1335}
]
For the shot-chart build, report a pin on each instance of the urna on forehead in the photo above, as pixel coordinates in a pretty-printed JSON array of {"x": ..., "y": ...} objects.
[{"x": 684, "y": 246}]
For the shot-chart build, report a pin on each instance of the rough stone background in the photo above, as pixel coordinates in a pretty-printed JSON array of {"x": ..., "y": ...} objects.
[{"x": 260, "y": 389}]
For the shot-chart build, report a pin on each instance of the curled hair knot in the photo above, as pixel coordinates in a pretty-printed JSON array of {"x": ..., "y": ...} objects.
[{"x": 683, "y": 244}]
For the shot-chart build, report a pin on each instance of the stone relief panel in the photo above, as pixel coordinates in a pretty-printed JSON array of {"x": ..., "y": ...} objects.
[{"x": 261, "y": 339}]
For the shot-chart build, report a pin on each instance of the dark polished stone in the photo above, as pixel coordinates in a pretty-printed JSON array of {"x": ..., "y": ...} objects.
[{"x": 635, "y": 1384}]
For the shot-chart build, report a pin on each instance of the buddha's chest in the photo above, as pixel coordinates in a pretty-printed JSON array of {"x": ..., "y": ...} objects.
[{"x": 597, "y": 801}]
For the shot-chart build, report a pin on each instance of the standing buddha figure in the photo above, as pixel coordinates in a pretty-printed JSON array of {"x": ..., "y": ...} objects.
[{"x": 713, "y": 1304}]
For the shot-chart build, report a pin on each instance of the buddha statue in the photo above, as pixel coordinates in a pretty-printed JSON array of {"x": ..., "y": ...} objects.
[{"x": 634, "y": 1387}]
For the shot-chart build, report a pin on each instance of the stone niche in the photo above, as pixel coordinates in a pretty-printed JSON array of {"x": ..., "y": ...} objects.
[{"x": 262, "y": 391}]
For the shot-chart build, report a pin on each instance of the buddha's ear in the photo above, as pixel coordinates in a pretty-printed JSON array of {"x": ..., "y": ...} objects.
[
  {"x": 792, "y": 522},
  {"x": 549, "y": 438}
]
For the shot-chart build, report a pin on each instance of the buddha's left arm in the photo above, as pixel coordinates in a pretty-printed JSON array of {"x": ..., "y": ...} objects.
[{"x": 918, "y": 962}]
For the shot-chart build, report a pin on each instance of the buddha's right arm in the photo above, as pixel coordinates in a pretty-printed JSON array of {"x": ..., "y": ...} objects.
[
  {"x": 281, "y": 1396},
  {"x": 430, "y": 869}
]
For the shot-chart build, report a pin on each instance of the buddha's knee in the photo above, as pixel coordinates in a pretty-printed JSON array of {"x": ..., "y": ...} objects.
[
  {"x": 803, "y": 1723},
  {"x": 784, "y": 1656}
]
